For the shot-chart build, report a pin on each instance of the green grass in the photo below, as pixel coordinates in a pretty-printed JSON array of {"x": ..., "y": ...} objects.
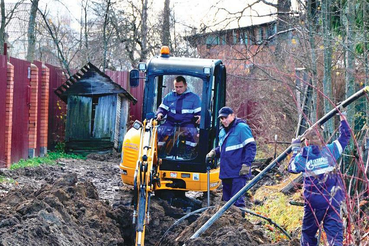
[
  {"x": 49, "y": 159},
  {"x": 276, "y": 207},
  {"x": 6, "y": 180}
]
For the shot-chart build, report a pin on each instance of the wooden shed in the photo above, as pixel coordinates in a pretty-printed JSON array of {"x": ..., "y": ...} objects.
[{"x": 97, "y": 111}]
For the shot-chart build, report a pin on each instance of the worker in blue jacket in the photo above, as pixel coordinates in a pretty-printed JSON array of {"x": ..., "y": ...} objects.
[
  {"x": 237, "y": 150},
  {"x": 182, "y": 109},
  {"x": 323, "y": 186}
]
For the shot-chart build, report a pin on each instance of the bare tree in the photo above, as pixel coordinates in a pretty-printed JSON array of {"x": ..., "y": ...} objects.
[
  {"x": 56, "y": 34},
  {"x": 144, "y": 31},
  {"x": 2, "y": 26},
  {"x": 350, "y": 55},
  {"x": 327, "y": 79},
  {"x": 106, "y": 35},
  {"x": 85, "y": 29},
  {"x": 166, "y": 24},
  {"x": 311, "y": 9},
  {"x": 31, "y": 31},
  {"x": 6, "y": 17}
]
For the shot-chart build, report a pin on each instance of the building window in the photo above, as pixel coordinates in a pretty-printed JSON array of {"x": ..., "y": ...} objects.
[
  {"x": 261, "y": 35},
  {"x": 234, "y": 37},
  {"x": 212, "y": 40},
  {"x": 243, "y": 37},
  {"x": 272, "y": 29},
  {"x": 223, "y": 39}
]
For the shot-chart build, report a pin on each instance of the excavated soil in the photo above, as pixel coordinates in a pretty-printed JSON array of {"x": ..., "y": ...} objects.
[{"x": 84, "y": 202}]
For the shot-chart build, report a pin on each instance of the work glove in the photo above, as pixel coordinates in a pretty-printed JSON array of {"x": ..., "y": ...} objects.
[
  {"x": 210, "y": 156},
  {"x": 296, "y": 144},
  {"x": 245, "y": 170}
]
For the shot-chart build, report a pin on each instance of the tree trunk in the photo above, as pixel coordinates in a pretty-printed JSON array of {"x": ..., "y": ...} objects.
[
  {"x": 350, "y": 59},
  {"x": 365, "y": 26},
  {"x": 31, "y": 32},
  {"x": 284, "y": 8},
  {"x": 166, "y": 24},
  {"x": 85, "y": 14},
  {"x": 327, "y": 79},
  {"x": 105, "y": 38},
  {"x": 312, "y": 31},
  {"x": 2, "y": 27},
  {"x": 144, "y": 31}
]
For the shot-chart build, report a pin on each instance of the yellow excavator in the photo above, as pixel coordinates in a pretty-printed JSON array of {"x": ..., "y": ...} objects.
[{"x": 152, "y": 168}]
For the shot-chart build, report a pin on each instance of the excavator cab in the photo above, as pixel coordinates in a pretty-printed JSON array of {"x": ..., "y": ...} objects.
[{"x": 181, "y": 150}]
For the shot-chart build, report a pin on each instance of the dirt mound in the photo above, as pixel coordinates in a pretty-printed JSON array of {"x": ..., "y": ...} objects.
[
  {"x": 62, "y": 213},
  {"x": 229, "y": 229},
  {"x": 84, "y": 202}
]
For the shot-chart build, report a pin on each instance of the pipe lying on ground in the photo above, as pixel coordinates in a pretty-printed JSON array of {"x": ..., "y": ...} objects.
[
  {"x": 267, "y": 219},
  {"x": 280, "y": 158}
]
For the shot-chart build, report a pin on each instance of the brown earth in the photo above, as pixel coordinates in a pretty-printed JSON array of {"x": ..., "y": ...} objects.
[{"x": 84, "y": 202}]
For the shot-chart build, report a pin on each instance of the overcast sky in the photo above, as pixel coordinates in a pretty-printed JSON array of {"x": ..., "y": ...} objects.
[
  {"x": 195, "y": 12},
  {"x": 211, "y": 12}
]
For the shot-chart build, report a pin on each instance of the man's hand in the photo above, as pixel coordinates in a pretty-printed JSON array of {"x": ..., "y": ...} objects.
[
  {"x": 210, "y": 156},
  {"x": 245, "y": 170},
  {"x": 159, "y": 117},
  {"x": 343, "y": 115},
  {"x": 198, "y": 119}
]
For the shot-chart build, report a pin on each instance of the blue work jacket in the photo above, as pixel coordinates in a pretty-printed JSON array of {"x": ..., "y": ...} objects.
[
  {"x": 323, "y": 185},
  {"x": 237, "y": 146},
  {"x": 180, "y": 108}
]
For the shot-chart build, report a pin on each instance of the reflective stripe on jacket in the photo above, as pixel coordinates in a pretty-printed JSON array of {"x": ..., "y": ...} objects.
[{"x": 180, "y": 108}]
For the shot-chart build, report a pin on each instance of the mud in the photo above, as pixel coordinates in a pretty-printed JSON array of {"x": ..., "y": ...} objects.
[{"x": 84, "y": 202}]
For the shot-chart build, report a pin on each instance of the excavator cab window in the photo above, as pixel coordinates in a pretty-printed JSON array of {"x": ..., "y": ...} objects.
[
  {"x": 177, "y": 140},
  {"x": 178, "y": 143}
]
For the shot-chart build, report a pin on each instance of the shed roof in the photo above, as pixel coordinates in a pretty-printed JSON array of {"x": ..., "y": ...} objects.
[{"x": 88, "y": 81}]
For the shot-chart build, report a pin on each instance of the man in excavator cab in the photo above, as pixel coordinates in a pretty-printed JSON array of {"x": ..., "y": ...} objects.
[{"x": 178, "y": 136}]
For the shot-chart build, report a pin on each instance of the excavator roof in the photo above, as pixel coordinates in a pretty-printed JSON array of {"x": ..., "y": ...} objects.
[{"x": 164, "y": 64}]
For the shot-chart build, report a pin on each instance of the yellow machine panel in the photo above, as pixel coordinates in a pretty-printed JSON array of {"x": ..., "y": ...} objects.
[
  {"x": 194, "y": 181},
  {"x": 130, "y": 152}
]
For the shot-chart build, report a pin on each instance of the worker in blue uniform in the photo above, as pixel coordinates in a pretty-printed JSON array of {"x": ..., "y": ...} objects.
[
  {"x": 237, "y": 150},
  {"x": 323, "y": 186},
  {"x": 182, "y": 109}
]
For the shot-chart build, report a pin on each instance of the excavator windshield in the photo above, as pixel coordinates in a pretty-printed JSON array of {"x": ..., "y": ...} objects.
[
  {"x": 178, "y": 143},
  {"x": 178, "y": 136}
]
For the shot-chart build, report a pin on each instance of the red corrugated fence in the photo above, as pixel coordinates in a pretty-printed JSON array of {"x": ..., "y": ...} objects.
[{"x": 32, "y": 117}]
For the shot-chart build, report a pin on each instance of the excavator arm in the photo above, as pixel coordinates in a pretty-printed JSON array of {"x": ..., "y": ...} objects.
[{"x": 146, "y": 177}]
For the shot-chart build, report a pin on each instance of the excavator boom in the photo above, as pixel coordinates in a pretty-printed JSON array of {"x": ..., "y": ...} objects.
[{"x": 146, "y": 170}]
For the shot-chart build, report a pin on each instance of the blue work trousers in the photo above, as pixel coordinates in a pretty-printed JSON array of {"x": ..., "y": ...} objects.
[
  {"x": 332, "y": 224},
  {"x": 231, "y": 187}
]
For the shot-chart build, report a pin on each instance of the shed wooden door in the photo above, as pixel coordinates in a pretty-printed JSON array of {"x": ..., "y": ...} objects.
[
  {"x": 105, "y": 118},
  {"x": 78, "y": 118}
]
